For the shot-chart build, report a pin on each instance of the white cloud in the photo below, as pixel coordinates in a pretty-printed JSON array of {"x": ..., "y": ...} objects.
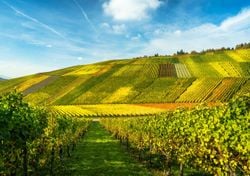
[
  {"x": 105, "y": 25},
  {"x": 125, "y": 10},
  {"x": 136, "y": 38},
  {"x": 114, "y": 29},
  {"x": 240, "y": 20},
  {"x": 230, "y": 32},
  {"x": 79, "y": 58},
  {"x": 177, "y": 32},
  {"x": 119, "y": 29}
]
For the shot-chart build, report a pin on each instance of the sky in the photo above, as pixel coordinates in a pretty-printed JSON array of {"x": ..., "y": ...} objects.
[{"x": 43, "y": 35}]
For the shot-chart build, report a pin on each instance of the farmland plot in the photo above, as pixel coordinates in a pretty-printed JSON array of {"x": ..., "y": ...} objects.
[
  {"x": 167, "y": 70},
  {"x": 199, "y": 90},
  {"x": 182, "y": 71}
]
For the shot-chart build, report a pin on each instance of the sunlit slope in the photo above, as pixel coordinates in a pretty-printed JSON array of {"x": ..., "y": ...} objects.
[{"x": 208, "y": 77}]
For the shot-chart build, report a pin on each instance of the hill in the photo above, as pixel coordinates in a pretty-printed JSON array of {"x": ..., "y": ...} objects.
[
  {"x": 190, "y": 78},
  {"x": 2, "y": 78}
]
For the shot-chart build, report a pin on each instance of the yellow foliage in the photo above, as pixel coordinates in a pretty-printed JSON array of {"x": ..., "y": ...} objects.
[
  {"x": 235, "y": 56},
  {"x": 129, "y": 70},
  {"x": 118, "y": 95},
  {"x": 106, "y": 110},
  {"x": 86, "y": 70},
  {"x": 36, "y": 98},
  {"x": 199, "y": 90},
  {"x": 226, "y": 69},
  {"x": 30, "y": 82},
  {"x": 70, "y": 87},
  {"x": 71, "y": 110},
  {"x": 245, "y": 54}
]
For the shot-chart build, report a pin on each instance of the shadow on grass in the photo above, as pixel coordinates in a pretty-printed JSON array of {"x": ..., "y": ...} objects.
[{"x": 100, "y": 154}]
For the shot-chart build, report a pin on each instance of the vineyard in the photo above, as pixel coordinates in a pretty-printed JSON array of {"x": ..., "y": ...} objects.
[
  {"x": 182, "y": 71},
  {"x": 167, "y": 70},
  {"x": 32, "y": 139},
  {"x": 163, "y": 90},
  {"x": 215, "y": 139},
  {"x": 149, "y": 108},
  {"x": 199, "y": 90},
  {"x": 245, "y": 88},
  {"x": 226, "y": 89},
  {"x": 226, "y": 69},
  {"x": 211, "y": 77},
  {"x": 105, "y": 110}
]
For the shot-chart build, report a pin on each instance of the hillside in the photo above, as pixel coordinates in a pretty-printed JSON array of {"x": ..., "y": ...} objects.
[
  {"x": 2, "y": 79},
  {"x": 191, "y": 78}
]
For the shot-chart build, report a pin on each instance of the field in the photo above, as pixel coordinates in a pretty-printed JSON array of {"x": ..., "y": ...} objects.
[{"x": 208, "y": 77}]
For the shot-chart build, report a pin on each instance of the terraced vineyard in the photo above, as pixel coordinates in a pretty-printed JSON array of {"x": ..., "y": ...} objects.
[
  {"x": 167, "y": 70},
  {"x": 226, "y": 69},
  {"x": 211, "y": 77},
  {"x": 154, "y": 93},
  {"x": 226, "y": 89},
  {"x": 244, "y": 88},
  {"x": 243, "y": 54},
  {"x": 182, "y": 71},
  {"x": 105, "y": 110},
  {"x": 199, "y": 90}
]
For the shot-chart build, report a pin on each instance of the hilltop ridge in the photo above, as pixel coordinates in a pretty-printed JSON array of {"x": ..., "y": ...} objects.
[{"x": 187, "y": 78}]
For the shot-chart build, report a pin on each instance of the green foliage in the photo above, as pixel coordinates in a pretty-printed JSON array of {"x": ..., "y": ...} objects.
[
  {"x": 29, "y": 136},
  {"x": 243, "y": 46},
  {"x": 215, "y": 139},
  {"x": 20, "y": 123}
]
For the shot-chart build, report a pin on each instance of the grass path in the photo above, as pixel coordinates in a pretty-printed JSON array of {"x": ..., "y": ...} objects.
[{"x": 99, "y": 154}]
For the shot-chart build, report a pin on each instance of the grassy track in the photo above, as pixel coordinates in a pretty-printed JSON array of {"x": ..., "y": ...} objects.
[{"x": 100, "y": 154}]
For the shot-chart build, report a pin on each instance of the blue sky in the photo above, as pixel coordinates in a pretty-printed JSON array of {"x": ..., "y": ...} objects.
[{"x": 42, "y": 35}]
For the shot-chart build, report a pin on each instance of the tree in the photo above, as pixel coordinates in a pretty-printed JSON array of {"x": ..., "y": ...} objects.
[{"x": 181, "y": 52}]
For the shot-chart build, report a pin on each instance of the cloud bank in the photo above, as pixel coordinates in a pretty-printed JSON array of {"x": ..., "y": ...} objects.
[
  {"x": 130, "y": 10},
  {"x": 228, "y": 33}
]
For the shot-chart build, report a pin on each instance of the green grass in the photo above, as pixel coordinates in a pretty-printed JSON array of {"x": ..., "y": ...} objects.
[{"x": 100, "y": 154}]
